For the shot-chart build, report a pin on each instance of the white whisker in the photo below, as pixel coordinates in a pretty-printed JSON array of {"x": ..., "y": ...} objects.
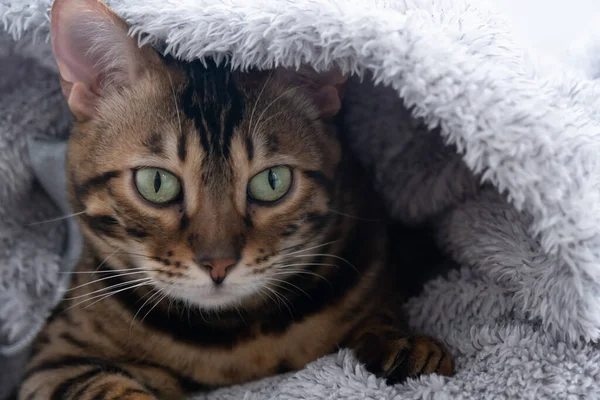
[
  {"x": 258, "y": 292},
  {"x": 107, "y": 258},
  {"x": 355, "y": 217},
  {"x": 282, "y": 299},
  {"x": 303, "y": 272},
  {"x": 270, "y": 104},
  {"x": 156, "y": 293},
  {"x": 288, "y": 283},
  {"x": 156, "y": 303},
  {"x": 256, "y": 102},
  {"x": 175, "y": 102},
  {"x": 272, "y": 299},
  {"x": 307, "y": 265},
  {"x": 103, "y": 279},
  {"x": 263, "y": 123},
  {"x": 201, "y": 315},
  {"x": 104, "y": 296},
  {"x": 116, "y": 285},
  {"x": 56, "y": 219},
  {"x": 312, "y": 248},
  {"x": 118, "y": 291},
  {"x": 240, "y": 314},
  {"x": 329, "y": 255},
  {"x": 110, "y": 272}
]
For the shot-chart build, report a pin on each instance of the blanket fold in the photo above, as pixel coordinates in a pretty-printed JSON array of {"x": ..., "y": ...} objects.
[{"x": 464, "y": 132}]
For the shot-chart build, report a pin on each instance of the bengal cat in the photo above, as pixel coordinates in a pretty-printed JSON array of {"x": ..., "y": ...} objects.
[{"x": 229, "y": 235}]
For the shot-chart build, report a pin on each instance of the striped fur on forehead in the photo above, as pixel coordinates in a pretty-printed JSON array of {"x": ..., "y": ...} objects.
[
  {"x": 213, "y": 101},
  {"x": 270, "y": 116}
]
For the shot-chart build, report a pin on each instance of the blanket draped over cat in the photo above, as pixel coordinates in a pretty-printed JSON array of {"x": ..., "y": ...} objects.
[{"x": 463, "y": 132}]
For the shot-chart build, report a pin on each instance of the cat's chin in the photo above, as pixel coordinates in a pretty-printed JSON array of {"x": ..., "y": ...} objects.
[{"x": 209, "y": 297}]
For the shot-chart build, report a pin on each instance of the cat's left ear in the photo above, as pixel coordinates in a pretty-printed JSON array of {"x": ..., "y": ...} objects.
[{"x": 325, "y": 88}]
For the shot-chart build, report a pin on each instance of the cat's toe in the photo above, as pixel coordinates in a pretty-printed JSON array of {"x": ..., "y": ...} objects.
[{"x": 417, "y": 355}]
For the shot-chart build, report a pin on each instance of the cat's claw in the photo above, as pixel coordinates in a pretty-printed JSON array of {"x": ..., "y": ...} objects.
[{"x": 415, "y": 356}]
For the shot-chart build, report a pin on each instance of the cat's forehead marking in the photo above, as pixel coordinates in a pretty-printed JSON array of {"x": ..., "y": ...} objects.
[{"x": 212, "y": 100}]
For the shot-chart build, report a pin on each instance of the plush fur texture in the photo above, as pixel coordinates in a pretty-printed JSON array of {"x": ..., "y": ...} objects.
[{"x": 528, "y": 290}]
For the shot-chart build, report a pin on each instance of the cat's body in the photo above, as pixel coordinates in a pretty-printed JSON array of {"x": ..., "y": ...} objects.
[
  {"x": 182, "y": 349},
  {"x": 229, "y": 235}
]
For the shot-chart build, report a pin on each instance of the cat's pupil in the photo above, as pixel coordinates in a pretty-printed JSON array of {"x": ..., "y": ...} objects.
[
  {"x": 272, "y": 179},
  {"x": 156, "y": 182}
]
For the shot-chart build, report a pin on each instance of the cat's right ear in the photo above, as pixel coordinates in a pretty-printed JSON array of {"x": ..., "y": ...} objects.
[
  {"x": 325, "y": 88},
  {"x": 94, "y": 53}
]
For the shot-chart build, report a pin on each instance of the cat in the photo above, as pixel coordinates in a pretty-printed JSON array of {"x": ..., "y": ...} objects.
[{"x": 229, "y": 233}]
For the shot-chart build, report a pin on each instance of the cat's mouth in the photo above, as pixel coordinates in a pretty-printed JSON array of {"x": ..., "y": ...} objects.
[{"x": 208, "y": 295}]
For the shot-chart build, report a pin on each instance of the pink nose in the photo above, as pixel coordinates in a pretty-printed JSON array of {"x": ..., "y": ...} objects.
[{"x": 218, "y": 269}]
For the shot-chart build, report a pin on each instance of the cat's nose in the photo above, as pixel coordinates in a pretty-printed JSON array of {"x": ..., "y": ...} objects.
[{"x": 218, "y": 269}]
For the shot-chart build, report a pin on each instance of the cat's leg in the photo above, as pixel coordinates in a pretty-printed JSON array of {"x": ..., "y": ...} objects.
[
  {"x": 67, "y": 367},
  {"x": 81, "y": 379},
  {"x": 389, "y": 350}
]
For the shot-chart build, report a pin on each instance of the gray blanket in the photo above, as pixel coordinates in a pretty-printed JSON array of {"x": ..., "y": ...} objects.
[{"x": 462, "y": 132}]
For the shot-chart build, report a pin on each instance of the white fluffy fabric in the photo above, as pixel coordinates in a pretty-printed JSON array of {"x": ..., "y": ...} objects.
[{"x": 495, "y": 148}]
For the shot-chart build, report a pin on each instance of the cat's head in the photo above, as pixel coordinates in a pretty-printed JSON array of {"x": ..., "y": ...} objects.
[{"x": 208, "y": 184}]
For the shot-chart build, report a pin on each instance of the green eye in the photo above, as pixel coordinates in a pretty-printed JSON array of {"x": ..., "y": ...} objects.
[
  {"x": 271, "y": 184},
  {"x": 157, "y": 185}
]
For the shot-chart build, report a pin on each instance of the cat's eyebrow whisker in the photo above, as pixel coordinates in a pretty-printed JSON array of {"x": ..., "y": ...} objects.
[
  {"x": 270, "y": 104},
  {"x": 175, "y": 102},
  {"x": 57, "y": 218},
  {"x": 268, "y": 119},
  {"x": 355, "y": 216},
  {"x": 329, "y": 255},
  {"x": 257, "y": 100},
  {"x": 104, "y": 289}
]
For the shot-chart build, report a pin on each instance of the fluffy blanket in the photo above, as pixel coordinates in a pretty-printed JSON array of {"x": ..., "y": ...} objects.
[{"x": 494, "y": 150}]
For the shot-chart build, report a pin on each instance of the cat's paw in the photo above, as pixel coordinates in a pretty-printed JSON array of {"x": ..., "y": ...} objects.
[{"x": 416, "y": 355}]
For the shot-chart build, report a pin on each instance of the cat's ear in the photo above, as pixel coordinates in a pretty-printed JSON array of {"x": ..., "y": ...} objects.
[
  {"x": 94, "y": 53},
  {"x": 325, "y": 88}
]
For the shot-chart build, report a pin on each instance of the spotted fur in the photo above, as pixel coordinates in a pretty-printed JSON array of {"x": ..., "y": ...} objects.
[{"x": 143, "y": 319}]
